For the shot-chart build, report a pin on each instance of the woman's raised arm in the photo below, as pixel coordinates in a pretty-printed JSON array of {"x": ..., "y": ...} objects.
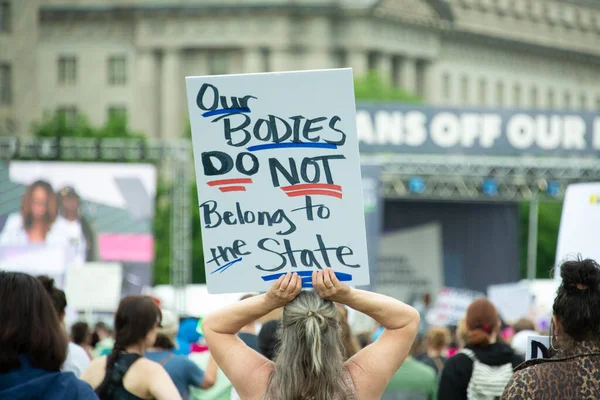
[
  {"x": 247, "y": 370},
  {"x": 372, "y": 368}
]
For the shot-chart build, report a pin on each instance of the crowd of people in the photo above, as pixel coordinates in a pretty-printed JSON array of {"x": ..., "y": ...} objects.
[{"x": 292, "y": 344}]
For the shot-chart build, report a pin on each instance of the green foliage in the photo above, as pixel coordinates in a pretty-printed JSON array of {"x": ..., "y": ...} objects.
[
  {"x": 548, "y": 225},
  {"x": 373, "y": 87}
]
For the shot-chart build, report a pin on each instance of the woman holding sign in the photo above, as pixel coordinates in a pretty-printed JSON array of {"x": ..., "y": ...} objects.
[{"x": 309, "y": 363}]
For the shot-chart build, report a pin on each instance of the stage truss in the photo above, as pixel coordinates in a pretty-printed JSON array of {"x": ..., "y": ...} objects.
[{"x": 443, "y": 177}]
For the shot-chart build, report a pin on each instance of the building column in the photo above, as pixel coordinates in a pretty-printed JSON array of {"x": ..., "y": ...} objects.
[
  {"x": 359, "y": 62},
  {"x": 253, "y": 60},
  {"x": 145, "y": 115},
  {"x": 408, "y": 74},
  {"x": 384, "y": 67},
  {"x": 171, "y": 115},
  {"x": 280, "y": 60}
]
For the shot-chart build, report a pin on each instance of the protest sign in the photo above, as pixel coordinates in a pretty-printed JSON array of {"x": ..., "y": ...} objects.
[
  {"x": 579, "y": 224},
  {"x": 278, "y": 173},
  {"x": 513, "y": 300},
  {"x": 538, "y": 347},
  {"x": 451, "y": 306}
]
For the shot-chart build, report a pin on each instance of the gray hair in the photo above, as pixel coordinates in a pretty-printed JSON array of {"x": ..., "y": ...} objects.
[{"x": 309, "y": 363}]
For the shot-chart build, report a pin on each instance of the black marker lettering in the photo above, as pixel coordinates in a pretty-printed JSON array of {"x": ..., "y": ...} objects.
[{"x": 208, "y": 158}]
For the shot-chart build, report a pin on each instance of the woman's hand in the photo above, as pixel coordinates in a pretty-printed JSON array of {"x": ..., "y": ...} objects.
[
  {"x": 327, "y": 285},
  {"x": 284, "y": 290}
]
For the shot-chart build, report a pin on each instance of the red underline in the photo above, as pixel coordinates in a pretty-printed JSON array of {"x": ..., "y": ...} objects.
[
  {"x": 297, "y": 193},
  {"x": 232, "y": 189},
  {"x": 312, "y": 186},
  {"x": 229, "y": 181}
]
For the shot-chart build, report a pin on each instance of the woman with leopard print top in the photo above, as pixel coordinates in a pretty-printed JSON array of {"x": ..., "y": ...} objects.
[{"x": 574, "y": 372}]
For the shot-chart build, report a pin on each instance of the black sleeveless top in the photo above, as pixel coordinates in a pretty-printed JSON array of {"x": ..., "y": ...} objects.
[{"x": 115, "y": 389}]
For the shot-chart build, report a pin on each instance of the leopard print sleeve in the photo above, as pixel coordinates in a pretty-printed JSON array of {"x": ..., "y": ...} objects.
[{"x": 519, "y": 387}]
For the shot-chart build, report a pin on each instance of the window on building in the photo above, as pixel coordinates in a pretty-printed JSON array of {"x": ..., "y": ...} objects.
[
  {"x": 482, "y": 97},
  {"x": 551, "y": 99},
  {"x": 67, "y": 70},
  {"x": 218, "y": 63},
  {"x": 583, "y": 103},
  {"x": 568, "y": 101},
  {"x": 534, "y": 98},
  {"x": 117, "y": 70},
  {"x": 373, "y": 60},
  {"x": 446, "y": 88},
  {"x": 68, "y": 114},
  {"x": 500, "y": 94},
  {"x": 5, "y": 85},
  {"x": 517, "y": 95},
  {"x": 117, "y": 113},
  {"x": 464, "y": 89},
  {"x": 5, "y": 16}
]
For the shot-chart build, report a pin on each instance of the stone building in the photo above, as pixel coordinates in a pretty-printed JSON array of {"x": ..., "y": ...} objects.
[{"x": 100, "y": 57}]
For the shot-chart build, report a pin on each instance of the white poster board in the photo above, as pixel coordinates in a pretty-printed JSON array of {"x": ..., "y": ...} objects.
[
  {"x": 537, "y": 346},
  {"x": 405, "y": 271},
  {"x": 578, "y": 234},
  {"x": 513, "y": 300},
  {"x": 451, "y": 306},
  {"x": 278, "y": 173},
  {"x": 95, "y": 287}
]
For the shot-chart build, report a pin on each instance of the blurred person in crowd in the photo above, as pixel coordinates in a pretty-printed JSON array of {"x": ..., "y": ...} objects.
[
  {"x": 188, "y": 336},
  {"x": 523, "y": 329},
  {"x": 220, "y": 390},
  {"x": 182, "y": 371},
  {"x": 125, "y": 373},
  {"x": 349, "y": 341},
  {"x": 484, "y": 366},
  {"x": 364, "y": 339},
  {"x": 309, "y": 363},
  {"x": 105, "y": 342},
  {"x": 413, "y": 380},
  {"x": 33, "y": 344},
  {"x": 76, "y": 229},
  {"x": 423, "y": 305},
  {"x": 248, "y": 332},
  {"x": 33, "y": 224},
  {"x": 77, "y": 359},
  {"x": 574, "y": 371},
  {"x": 437, "y": 341},
  {"x": 80, "y": 335},
  {"x": 459, "y": 338}
]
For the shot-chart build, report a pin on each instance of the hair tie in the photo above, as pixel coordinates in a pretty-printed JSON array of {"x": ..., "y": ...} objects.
[
  {"x": 310, "y": 314},
  {"x": 579, "y": 286}
]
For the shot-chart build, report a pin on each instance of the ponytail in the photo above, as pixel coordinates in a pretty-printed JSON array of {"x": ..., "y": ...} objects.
[
  {"x": 107, "y": 387},
  {"x": 313, "y": 326}
]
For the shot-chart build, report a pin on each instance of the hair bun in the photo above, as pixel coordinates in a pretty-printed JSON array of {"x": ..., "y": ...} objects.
[
  {"x": 584, "y": 273},
  {"x": 47, "y": 282}
]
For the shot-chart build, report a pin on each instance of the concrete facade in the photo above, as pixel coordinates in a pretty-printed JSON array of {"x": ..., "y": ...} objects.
[{"x": 535, "y": 54}]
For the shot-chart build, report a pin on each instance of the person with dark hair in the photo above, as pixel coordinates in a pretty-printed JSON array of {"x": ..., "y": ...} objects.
[
  {"x": 102, "y": 340},
  {"x": 33, "y": 344},
  {"x": 484, "y": 367},
  {"x": 574, "y": 371},
  {"x": 125, "y": 373},
  {"x": 76, "y": 229},
  {"x": 77, "y": 359},
  {"x": 309, "y": 363},
  {"x": 268, "y": 339},
  {"x": 181, "y": 369},
  {"x": 80, "y": 335},
  {"x": 34, "y": 222}
]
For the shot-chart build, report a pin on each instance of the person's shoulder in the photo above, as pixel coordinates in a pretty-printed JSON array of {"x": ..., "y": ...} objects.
[
  {"x": 68, "y": 383},
  {"x": 84, "y": 390}
]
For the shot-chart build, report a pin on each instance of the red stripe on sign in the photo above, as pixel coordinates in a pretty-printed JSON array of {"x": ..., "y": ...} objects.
[
  {"x": 232, "y": 189},
  {"x": 297, "y": 193},
  {"x": 312, "y": 186},
  {"x": 235, "y": 181}
]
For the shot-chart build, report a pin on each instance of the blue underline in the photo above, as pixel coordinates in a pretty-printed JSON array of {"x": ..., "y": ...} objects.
[
  {"x": 226, "y": 111},
  {"x": 271, "y": 146},
  {"x": 224, "y": 267}
]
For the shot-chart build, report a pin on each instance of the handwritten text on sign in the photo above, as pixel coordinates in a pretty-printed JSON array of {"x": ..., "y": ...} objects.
[{"x": 278, "y": 173}]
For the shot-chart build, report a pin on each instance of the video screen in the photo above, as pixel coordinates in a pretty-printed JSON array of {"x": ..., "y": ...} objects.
[{"x": 58, "y": 215}]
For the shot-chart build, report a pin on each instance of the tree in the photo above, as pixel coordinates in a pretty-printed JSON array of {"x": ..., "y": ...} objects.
[{"x": 372, "y": 87}]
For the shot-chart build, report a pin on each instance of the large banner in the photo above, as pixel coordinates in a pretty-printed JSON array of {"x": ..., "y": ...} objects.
[
  {"x": 578, "y": 234},
  {"x": 278, "y": 173},
  {"x": 397, "y": 128},
  {"x": 57, "y": 215},
  {"x": 410, "y": 262}
]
